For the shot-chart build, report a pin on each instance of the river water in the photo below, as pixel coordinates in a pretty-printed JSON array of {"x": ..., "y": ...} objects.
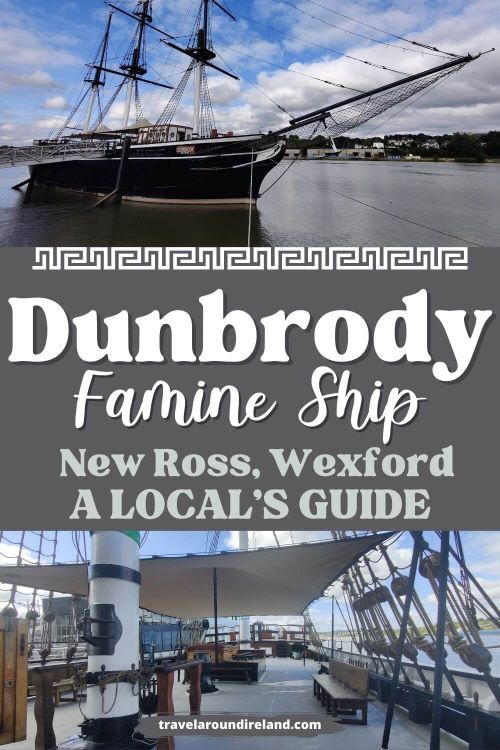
[{"x": 315, "y": 203}]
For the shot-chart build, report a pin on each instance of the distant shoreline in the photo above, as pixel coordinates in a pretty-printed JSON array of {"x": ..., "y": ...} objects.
[{"x": 422, "y": 160}]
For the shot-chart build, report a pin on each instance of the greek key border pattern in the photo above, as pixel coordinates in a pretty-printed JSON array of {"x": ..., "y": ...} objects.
[{"x": 251, "y": 259}]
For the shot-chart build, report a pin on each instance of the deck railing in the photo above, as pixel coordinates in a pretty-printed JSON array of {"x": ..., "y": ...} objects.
[{"x": 25, "y": 155}]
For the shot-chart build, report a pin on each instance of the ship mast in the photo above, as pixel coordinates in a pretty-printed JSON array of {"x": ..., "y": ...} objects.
[
  {"x": 136, "y": 67},
  {"x": 203, "y": 55},
  {"x": 98, "y": 79}
]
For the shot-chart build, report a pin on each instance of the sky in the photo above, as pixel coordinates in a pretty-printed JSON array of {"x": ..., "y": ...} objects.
[
  {"x": 45, "y": 44},
  {"x": 482, "y": 551}
]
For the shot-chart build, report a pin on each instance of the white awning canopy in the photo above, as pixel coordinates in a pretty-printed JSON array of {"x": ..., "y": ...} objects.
[{"x": 272, "y": 581}]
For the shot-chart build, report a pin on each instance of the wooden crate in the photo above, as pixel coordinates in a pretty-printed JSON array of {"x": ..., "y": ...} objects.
[{"x": 13, "y": 680}]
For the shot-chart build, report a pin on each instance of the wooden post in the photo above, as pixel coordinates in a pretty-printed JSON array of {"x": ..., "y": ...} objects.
[
  {"x": 216, "y": 616},
  {"x": 106, "y": 199},
  {"x": 116, "y": 195},
  {"x": 332, "y": 647},
  {"x": 122, "y": 169},
  {"x": 9, "y": 681},
  {"x": 304, "y": 654},
  {"x": 166, "y": 704},
  {"x": 166, "y": 681},
  {"x": 195, "y": 689},
  {"x": 31, "y": 185},
  {"x": 43, "y": 678},
  {"x": 19, "y": 185},
  {"x": 21, "y": 722},
  {"x": 44, "y": 709},
  {"x": 181, "y": 649},
  {"x": 13, "y": 679},
  {"x": 2, "y": 645}
]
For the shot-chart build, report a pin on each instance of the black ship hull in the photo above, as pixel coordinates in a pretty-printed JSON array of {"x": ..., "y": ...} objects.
[{"x": 194, "y": 172}]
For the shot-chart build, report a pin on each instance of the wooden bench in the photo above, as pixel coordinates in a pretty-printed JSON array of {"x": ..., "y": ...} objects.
[
  {"x": 249, "y": 670},
  {"x": 232, "y": 673},
  {"x": 343, "y": 692},
  {"x": 64, "y": 686}
]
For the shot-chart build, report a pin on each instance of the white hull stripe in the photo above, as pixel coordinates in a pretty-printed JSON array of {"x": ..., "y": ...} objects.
[{"x": 192, "y": 201}]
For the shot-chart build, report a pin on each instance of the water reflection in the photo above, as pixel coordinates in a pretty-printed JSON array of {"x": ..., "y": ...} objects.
[
  {"x": 56, "y": 217},
  {"x": 316, "y": 203}
]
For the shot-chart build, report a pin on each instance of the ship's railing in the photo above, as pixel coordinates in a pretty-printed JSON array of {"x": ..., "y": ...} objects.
[
  {"x": 25, "y": 155},
  {"x": 468, "y": 708},
  {"x": 470, "y": 683}
]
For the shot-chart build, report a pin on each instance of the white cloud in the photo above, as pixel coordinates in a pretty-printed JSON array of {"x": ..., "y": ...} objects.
[
  {"x": 268, "y": 539},
  {"x": 55, "y": 102},
  {"x": 36, "y": 79},
  {"x": 24, "y": 43},
  {"x": 9, "y": 554},
  {"x": 467, "y": 101},
  {"x": 224, "y": 90}
]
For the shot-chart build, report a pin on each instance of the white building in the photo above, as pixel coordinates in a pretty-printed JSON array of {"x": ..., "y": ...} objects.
[
  {"x": 293, "y": 153},
  {"x": 365, "y": 152},
  {"x": 358, "y": 152},
  {"x": 321, "y": 153},
  {"x": 401, "y": 141}
]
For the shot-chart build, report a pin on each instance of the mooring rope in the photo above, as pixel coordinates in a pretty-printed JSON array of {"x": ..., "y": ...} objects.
[
  {"x": 380, "y": 210},
  {"x": 250, "y": 200}
]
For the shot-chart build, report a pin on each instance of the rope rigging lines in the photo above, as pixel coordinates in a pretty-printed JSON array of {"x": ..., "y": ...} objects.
[
  {"x": 382, "y": 31},
  {"x": 435, "y": 52},
  {"x": 212, "y": 542},
  {"x": 290, "y": 70},
  {"x": 373, "y": 612},
  {"x": 322, "y": 47},
  {"x": 32, "y": 548},
  {"x": 104, "y": 112},
  {"x": 130, "y": 54},
  {"x": 345, "y": 116},
  {"x": 207, "y": 124},
  {"x": 257, "y": 88},
  {"x": 168, "y": 113}
]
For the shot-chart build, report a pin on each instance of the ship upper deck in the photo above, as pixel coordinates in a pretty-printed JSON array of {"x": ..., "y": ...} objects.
[{"x": 285, "y": 689}]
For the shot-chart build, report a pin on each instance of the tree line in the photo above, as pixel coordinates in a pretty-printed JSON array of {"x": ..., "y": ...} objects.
[{"x": 475, "y": 147}]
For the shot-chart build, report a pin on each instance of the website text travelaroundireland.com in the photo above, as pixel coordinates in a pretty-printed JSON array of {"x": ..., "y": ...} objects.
[{"x": 239, "y": 725}]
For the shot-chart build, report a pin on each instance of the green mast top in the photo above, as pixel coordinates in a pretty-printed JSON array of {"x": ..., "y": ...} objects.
[{"x": 135, "y": 535}]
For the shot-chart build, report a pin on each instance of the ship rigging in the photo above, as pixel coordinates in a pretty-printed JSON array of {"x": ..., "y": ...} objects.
[{"x": 167, "y": 162}]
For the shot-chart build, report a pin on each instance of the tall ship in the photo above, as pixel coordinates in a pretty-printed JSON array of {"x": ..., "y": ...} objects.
[{"x": 168, "y": 162}]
